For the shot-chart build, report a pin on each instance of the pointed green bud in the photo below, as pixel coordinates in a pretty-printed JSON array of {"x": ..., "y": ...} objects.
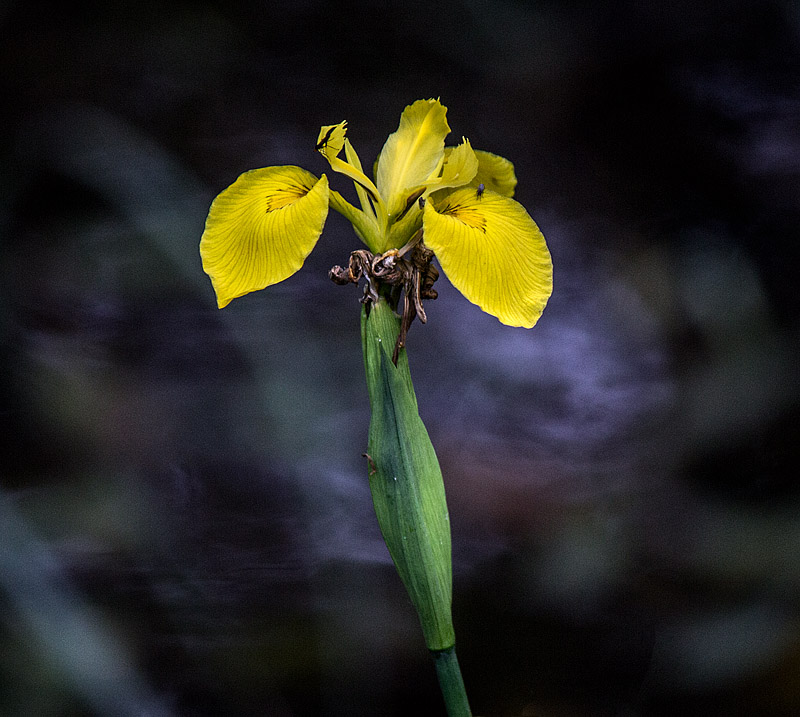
[{"x": 406, "y": 481}]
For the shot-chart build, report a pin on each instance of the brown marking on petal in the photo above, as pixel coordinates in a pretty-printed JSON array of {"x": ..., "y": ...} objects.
[
  {"x": 410, "y": 203},
  {"x": 466, "y": 214},
  {"x": 285, "y": 196},
  {"x": 367, "y": 190}
]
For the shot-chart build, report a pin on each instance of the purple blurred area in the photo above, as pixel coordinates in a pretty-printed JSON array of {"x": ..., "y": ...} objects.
[{"x": 185, "y": 520}]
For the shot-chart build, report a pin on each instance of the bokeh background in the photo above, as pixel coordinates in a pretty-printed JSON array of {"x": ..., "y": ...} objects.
[{"x": 185, "y": 522}]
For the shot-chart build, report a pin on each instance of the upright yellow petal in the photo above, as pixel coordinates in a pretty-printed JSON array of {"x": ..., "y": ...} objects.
[
  {"x": 331, "y": 139},
  {"x": 330, "y": 143},
  {"x": 492, "y": 252},
  {"x": 355, "y": 161},
  {"x": 458, "y": 170},
  {"x": 260, "y": 230},
  {"x": 461, "y": 166},
  {"x": 495, "y": 173},
  {"x": 412, "y": 154}
]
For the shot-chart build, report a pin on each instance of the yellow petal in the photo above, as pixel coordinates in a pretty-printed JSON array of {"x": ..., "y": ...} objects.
[
  {"x": 355, "y": 161},
  {"x": 492, "y": 252},
  {"x": 331, "y": 139},
  {"x": 413, "y": 154},
  {"x": 330, "y": 143},
  {"x": 495, "y": 173},
  {"x": 260, "y": 229},
  {"x": 461, "y": 166},
  {"x": 457, "y": 171}
]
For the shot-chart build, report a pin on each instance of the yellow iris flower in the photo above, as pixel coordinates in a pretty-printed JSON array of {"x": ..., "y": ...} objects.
[{"x": 260, "y": 229}]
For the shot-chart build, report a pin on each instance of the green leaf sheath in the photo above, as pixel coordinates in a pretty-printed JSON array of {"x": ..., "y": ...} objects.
[{"x": 406, "y": 481}]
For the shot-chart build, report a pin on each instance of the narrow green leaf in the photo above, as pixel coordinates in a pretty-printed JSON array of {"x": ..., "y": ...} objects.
[{"x": 406, "y": 481}]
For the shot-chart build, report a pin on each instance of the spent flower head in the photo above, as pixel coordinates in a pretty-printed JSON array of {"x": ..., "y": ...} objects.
[{"x": 260, "y": 229}]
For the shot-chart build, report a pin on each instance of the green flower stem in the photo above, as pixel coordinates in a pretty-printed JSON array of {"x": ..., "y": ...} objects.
[
  {"x": 451, "y": 683},
  {"x": 408, "y": 495}
]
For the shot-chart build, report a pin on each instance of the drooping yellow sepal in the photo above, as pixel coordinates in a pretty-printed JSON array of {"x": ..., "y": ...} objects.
[
  {"x": 492, "y": 252},
  {"x": 413, "y": 154},
  {"x": 260, "y": 230}
]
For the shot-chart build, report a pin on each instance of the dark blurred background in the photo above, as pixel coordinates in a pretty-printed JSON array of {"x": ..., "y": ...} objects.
[{"x": 185, "y": 522}]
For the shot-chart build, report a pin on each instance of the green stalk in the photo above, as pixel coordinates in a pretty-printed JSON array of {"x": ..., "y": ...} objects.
[
  {"x": 408, "y": 495},
  {"x": 451, "y": 683}
]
